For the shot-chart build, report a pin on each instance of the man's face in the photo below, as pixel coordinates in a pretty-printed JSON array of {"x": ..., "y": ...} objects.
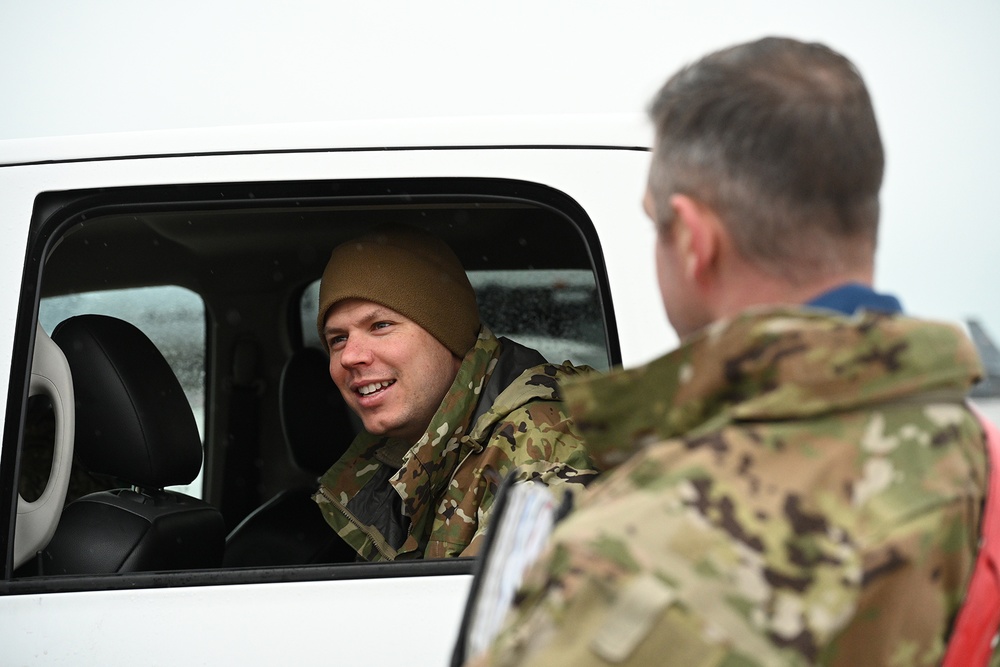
[{"x": 391, "y": 372}]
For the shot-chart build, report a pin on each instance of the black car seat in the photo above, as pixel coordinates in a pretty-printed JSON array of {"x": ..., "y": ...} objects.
[
  {"x": 134, "y": 424},
  {"x": 289, "y": 528}
]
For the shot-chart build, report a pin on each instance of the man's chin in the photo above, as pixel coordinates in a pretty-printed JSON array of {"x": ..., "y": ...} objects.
[{"x": 382, "y": 430}]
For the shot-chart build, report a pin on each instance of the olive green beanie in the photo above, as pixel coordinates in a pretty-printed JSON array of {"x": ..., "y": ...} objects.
[{"x": 410, "y": 271}]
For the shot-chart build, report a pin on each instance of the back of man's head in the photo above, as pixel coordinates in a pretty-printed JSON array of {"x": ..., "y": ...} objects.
[{"x": 780, "y": 139}]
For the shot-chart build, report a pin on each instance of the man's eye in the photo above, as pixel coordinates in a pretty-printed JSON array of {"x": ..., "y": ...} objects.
[
  {"x": 334, "y": 341},
  {"x": 381, "y": 325}
]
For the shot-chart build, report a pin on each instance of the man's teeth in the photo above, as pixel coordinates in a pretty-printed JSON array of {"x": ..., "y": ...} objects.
[{"x": 373, "y": 387}]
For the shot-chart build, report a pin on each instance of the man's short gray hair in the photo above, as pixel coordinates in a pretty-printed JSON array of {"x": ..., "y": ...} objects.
[{"x": 779, "y": 137}]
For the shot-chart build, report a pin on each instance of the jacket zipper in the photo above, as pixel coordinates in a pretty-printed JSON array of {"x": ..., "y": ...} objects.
[{"x": 378, "y": 541}]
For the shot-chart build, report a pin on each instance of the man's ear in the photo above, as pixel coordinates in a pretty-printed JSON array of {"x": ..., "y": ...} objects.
[{"x": 698, "y": 235}]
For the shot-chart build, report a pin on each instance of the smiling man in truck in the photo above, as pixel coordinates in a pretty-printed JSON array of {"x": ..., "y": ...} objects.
[{"x": 448, "y": 408}]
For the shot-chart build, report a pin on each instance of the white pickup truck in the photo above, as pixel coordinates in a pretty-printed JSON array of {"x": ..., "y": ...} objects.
[{"x": 210, "y": 242}]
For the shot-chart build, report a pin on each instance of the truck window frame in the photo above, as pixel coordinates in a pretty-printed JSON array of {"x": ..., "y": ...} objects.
[{"x": 56, "y": 212}]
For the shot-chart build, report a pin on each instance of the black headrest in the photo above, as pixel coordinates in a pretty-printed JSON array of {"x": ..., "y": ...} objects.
[
  {"x": 314, "y": 416},
  {"x": 133, "y": 421}
]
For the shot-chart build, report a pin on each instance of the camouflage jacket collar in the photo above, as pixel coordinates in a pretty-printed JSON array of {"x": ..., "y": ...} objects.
[
  {"x": 427, "y": 466},
  {"x": 458, "y": 429},
  {"x": 769, "y": 364}
]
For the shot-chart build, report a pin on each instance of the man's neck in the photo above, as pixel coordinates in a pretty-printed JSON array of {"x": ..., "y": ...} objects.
[{"x": 756, "y": 288}]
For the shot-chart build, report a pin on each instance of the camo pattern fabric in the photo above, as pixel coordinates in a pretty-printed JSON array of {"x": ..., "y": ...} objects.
[
  {"x": 448, "y": 480},
  {"x": 788, "y": 487}
]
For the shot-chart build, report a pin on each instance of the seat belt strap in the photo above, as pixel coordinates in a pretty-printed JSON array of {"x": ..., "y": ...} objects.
[{"x": 974, "y": 635}]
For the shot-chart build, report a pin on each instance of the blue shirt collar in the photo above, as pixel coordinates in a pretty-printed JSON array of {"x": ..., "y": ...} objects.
[{"x": 852, "y": 297}]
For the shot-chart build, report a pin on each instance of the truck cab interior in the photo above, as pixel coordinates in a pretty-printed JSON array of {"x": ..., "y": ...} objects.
[{"x": 195, "y": 410}]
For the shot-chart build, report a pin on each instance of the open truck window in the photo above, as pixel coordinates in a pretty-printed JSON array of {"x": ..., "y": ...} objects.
[{"x": 223, "y": 280}]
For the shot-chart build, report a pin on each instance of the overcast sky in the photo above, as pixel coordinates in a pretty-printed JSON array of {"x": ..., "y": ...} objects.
[{"x": 933, "y": 69}]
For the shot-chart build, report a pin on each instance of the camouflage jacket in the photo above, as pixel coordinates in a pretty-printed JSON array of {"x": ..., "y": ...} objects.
[
  {"x": 391, "y": 500},
  {"x": 791, "y": 488}
]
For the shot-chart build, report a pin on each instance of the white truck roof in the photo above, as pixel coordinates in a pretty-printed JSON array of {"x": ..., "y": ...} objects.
[{"x": 592, "y": 130}]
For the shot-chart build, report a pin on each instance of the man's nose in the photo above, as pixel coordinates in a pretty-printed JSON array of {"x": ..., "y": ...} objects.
[{"x": 356, "y": 352}]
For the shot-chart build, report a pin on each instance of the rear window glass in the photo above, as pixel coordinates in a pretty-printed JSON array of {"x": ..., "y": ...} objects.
[{"x": 172, "y": 317}]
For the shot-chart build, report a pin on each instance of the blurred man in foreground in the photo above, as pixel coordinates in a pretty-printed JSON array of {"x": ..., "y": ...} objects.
[{"x": 800, "y": 482}]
